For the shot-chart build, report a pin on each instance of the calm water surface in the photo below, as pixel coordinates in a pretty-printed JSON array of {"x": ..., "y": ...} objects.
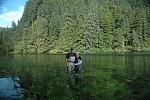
[{"x": 109, "y": 76}]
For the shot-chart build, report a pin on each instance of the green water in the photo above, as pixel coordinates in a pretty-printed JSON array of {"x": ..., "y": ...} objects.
[{"x": 112, "y": 76}]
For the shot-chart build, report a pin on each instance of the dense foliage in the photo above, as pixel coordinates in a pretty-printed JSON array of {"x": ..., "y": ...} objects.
[{"x": 50, "y": 26}]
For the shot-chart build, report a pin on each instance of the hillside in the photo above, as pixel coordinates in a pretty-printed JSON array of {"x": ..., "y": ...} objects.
[{"x": 50, "y": 26}]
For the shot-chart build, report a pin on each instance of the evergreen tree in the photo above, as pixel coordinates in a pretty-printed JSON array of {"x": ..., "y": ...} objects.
[
  {"x": 13, "y": 25},
  {"x": 40, "y": 29}
]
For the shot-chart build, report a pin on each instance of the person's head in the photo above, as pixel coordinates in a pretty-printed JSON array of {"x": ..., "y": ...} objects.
[
  {"x": 77, "y": 54},
  {"x": 71, "y": 50}
]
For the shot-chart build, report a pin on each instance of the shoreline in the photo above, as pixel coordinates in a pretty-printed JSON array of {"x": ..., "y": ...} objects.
[{"x": 91, "y": 53}]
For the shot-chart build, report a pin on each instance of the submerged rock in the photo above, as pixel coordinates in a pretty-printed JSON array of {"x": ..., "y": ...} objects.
[{"x": 10, "y": 89}]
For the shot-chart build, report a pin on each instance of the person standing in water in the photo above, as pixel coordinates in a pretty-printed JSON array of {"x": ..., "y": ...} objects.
[
  {"x": 70, "y": 58},
  {"x": 77, "y": 69}
]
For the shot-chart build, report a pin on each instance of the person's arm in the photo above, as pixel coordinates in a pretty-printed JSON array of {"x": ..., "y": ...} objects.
[
  {"x": 66, "y": 60},
  {"x": 79, "y": 61}
]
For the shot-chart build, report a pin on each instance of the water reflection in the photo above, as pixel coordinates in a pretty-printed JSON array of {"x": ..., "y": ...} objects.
[{"x": 104, "y": 76}]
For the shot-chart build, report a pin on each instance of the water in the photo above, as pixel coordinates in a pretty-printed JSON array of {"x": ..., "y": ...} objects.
[
  {"x": 10, "y": 89},
  {"x": 109, "y": 76}
]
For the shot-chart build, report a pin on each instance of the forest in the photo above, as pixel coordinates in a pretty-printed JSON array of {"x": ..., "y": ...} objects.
[{"x": 89, "y": 26}]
